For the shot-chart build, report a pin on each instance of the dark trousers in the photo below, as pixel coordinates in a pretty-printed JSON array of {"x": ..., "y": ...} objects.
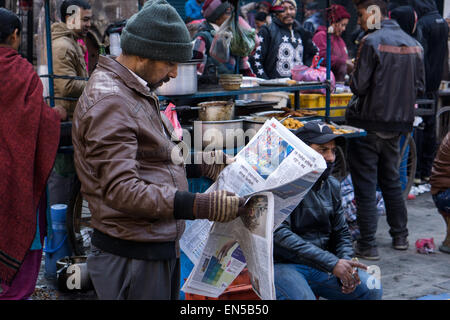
[
  {"x": 60, "y": 188},
  {"x": 375, "y": 161},
  {"x": 442, "y": 201},
  {"x": 121, "y": 278},
  {"x": 426, "y": 143}
]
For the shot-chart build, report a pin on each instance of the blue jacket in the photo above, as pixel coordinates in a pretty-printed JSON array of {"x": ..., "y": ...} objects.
[
  {"x": 312, "y": 23},
  {"x": 316, "y": 232},
  {"x": 193, "y": 10}
]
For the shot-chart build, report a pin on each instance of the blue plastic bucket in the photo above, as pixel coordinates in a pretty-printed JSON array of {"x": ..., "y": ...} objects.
[
  {"x": 57, "y": 246},
  {"x": 186, "y": 268}
]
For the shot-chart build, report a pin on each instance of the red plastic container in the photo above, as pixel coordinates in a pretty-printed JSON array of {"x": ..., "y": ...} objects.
[{"x": 239, "y": 289}]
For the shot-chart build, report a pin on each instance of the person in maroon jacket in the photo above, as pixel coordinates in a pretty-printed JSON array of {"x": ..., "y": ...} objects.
[
  {"x": 339, "y": 18},
  {"x": 29, "y": 136}
]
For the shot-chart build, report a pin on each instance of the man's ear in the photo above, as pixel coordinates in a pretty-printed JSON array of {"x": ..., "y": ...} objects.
[
  {"x": 13, "y": 36},
  {"x": 14, "y": 39}
]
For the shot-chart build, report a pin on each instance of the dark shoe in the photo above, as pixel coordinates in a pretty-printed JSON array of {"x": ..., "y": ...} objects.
[
  {"x": 400, "y": 243},
  {"x": 368, "y": 254},
  {"x": 444, "y": 248}
]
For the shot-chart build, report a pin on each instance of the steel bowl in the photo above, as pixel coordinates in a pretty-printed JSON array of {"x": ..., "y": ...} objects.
[{"x": 184, "y": 83}]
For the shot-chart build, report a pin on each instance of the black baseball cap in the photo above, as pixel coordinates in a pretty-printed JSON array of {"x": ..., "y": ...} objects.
[{"x": 316, "y": 132}]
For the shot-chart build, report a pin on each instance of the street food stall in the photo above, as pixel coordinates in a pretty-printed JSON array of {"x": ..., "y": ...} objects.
[
  {"x": 246, "y": 111},
  {"x": 189, "y": 101}
]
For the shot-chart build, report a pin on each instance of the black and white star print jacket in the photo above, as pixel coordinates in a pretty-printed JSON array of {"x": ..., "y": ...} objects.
[{"x": 281, "y": 49}]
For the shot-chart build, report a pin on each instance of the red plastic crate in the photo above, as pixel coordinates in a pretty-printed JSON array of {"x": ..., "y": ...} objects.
[{"x": 239, "y": 289}]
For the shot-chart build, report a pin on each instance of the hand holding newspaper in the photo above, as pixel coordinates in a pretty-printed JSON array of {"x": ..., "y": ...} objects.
[{"x": 274, "y": 171}]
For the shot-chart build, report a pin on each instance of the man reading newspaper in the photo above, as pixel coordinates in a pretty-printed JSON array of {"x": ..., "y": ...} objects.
[{"x": 313, "y": 247}]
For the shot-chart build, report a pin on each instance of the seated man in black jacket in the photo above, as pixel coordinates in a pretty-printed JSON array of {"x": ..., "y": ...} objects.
[{"x": 313, "y": 246}]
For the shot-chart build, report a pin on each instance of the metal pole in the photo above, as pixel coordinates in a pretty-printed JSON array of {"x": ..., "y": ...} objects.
[
  {"x": 30, "y": 35},
  {"x": 328, "y": 88},
  {"x": 237, "y": 58},
  {"x": 49, "y": 53}
]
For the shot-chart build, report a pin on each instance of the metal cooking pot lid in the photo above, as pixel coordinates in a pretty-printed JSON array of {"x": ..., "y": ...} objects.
[
  {"x": 219, "y": 121},
  {"x": 193, "y": 61}
]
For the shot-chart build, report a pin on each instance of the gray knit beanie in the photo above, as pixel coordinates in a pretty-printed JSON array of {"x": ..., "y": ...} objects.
[{"x": 157, "y": 32}]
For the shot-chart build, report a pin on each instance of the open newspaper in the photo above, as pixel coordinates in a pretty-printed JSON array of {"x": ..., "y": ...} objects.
[{"x": 275, "y": 165}]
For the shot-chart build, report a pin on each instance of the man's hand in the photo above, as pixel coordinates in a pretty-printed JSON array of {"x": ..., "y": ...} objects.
[
  {"x": 350, "y": 66},
  {"x": 344, "y": 270},
  {"x": 61, "y": 111},
  {"x": 349, "y": 288},
  {"x": 221, "y": 206}
]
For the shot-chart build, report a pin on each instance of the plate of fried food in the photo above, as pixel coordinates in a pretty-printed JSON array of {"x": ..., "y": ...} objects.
[
  {"x": 284, "y": 112},
  {"x": 340, "y": 130},
  {"x": 292, "y": 124},
  {"x": 297, "y": 113}
]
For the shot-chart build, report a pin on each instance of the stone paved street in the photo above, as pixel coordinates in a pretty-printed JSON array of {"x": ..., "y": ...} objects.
[
  {"x": 405, "y": 275},
  {"x": 408, "y": 274}
]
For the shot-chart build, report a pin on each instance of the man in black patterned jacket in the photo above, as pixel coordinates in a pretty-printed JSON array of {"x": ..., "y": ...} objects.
[
  {"x": 313, "y": 246},
  {"x": 284, "y": 44}
]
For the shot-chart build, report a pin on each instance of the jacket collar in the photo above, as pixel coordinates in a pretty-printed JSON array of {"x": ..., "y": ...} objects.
[
  {"x": 295, "y": 26},
  {"x": 60, "y": 29},
  {"x": 128, "y": 78}
]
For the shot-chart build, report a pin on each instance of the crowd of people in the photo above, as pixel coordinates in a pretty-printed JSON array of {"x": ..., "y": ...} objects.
[{"x": 123, "y": 146}]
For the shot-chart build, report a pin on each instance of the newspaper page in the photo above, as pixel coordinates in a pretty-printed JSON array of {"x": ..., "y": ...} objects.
[
  {"x": 274, "y": 160},
  {"x": 255, "y": 237},
  {"x": 220, "y": 263},
  {"x": 250, "y": 241}
]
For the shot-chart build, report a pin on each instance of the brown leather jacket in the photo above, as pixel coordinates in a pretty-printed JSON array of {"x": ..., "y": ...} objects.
[
  {"x": 123, "y": 158},
  {"x": 440, "y": 172}
]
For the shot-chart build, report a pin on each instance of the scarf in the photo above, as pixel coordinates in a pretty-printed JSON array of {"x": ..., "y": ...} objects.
[{"x": 29, "y": 137}]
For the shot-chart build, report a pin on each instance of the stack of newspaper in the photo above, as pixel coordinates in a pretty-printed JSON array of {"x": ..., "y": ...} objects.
[{"x": 274, "y": 171}]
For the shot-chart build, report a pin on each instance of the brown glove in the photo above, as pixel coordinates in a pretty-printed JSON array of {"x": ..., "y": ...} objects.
[
  {"x": 213, "y": 163},
  {"x": 221, "y": 206}
]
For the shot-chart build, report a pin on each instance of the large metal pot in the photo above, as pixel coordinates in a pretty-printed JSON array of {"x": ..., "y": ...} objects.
[
  {"x": 219, "y": 134},
  {"x": 184, "y": 83},
  {"x": 216, "y": 110},
  {"x": 252, "y": 125}
]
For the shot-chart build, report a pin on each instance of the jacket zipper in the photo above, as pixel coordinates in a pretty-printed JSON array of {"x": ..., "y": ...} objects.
[
  {"x": 177, "y": 226},
  {"x": 292, "y": 36}
]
